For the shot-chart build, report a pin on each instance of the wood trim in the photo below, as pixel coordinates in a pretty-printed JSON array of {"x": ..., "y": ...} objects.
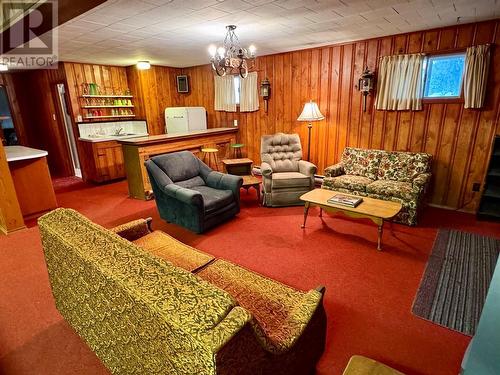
[
  {"x": 11, "y": 217},
  {"x": 142, "y": 141},
  {"x": 66, "y": 10}
]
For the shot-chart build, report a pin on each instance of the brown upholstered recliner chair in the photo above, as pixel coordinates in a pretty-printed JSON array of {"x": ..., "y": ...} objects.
[{"x": 285, "y": 175}]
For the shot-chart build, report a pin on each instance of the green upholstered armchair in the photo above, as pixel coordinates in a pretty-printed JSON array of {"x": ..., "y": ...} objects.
[{"x": 191, "y": 194}]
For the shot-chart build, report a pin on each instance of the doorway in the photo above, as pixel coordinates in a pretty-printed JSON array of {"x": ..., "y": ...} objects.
[
  {"x": 68, "y": 126},
  {"x": 8, "y": 134}
]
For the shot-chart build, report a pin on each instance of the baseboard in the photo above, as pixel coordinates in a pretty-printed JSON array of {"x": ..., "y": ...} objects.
[{"x": 464, "y": 210}]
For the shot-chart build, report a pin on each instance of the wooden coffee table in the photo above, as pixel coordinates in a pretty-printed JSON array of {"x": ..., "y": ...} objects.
[{"x": 376, "y": 210}]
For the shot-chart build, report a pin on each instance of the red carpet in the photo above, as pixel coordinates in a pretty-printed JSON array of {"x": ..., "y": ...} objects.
[{"x": 369, "y": 294}]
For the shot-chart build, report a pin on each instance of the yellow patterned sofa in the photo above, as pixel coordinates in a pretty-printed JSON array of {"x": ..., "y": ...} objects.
[{"x": 147, "y": 304}]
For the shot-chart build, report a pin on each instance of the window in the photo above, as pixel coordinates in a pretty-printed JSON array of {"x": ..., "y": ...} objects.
[
  {"x": 443, "y": 75},
  {"x": 237, "y": 89}
]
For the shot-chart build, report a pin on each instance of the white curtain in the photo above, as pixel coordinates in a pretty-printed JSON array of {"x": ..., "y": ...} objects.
[
  {"x": 477, "y": 64},
  {"x": 225, "y": 99},
  {"x": 249, "y": 96},
  {"x": 400, "y": 83}
]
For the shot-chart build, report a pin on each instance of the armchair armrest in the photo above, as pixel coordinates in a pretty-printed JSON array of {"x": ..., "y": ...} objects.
[
  {"x": 223, "y": 332},
  {"x": 222, "y": 181},
  {"x": 134, "y": 229},
  {"x": 307, "y": 168},
  {"x": 185, "y": 195},
  {"x": 420, "y": 182},
  {"x": 334, "y": 170},
  {"x": 266, "y": 169},
  {"x": 295, "y": 324}
]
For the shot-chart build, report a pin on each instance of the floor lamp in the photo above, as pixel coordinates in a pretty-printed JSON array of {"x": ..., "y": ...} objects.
[{"x": 310, "y": 113}]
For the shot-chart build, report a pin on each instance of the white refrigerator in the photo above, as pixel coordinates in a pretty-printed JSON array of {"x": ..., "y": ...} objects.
[{"x": 185, "y": 119}]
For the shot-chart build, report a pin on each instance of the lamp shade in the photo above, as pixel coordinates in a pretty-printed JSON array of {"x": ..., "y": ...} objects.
[{"x": 311, "y": 112}]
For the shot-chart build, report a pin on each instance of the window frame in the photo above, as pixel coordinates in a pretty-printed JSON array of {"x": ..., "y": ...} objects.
[
  {"x": 239, "y": 89},
  {"x": 443, "y": 99}
]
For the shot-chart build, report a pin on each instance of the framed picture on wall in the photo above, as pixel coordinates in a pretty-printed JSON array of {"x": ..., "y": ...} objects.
[{"x": 182, "y": 84}]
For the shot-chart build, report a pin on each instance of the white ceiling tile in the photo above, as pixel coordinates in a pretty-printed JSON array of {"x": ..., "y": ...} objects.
[
  {"x": 196, "y": 4},
  {"x": 177, "y": 33},
  {"x": 232, "y": 6}
]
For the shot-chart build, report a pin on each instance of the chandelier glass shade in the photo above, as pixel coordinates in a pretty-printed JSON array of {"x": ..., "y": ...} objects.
[{"x": 231, "y": 57}]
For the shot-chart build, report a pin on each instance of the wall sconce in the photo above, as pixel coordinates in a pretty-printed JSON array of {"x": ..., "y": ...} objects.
[
  {"x": 365, "y": 84},
  {"x": 265, "y": 91}
]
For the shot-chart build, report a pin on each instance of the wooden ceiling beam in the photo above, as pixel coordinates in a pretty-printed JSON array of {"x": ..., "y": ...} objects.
[{"x": 66, "y": 9}]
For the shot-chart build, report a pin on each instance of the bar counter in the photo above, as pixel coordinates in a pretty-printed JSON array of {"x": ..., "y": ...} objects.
[
  {"x": 137, "y": 150},
  {"x": 31, "y": 176}
]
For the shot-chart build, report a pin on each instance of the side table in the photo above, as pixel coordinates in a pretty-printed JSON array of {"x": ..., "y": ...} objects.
[
  {"x": 252, "y": 181},
  {"x": 238, "y": 167}
]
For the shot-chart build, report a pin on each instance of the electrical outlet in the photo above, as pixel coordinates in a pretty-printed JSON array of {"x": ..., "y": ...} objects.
[{"x": 476, "y": 186}]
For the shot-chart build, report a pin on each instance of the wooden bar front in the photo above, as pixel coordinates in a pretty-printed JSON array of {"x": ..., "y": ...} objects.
[{"x": 137, "y": 150}]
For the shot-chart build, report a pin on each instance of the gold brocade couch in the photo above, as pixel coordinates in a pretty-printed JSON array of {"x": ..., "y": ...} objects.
[{"x": 146, "y": 303}]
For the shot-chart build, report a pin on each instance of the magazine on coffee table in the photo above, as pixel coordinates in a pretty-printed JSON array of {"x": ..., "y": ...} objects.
[{"x": 345, "y": 200}]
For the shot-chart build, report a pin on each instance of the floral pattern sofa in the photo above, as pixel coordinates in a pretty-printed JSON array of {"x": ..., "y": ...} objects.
[
  {"x": 146, "y": 303},
  {"x": 396, "y": 176}
]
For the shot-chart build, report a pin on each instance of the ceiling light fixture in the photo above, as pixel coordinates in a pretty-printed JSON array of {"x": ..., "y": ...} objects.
[
  {"x": 143, "y": 65},
  {"x": 231, "y": 57},
  {"x": 4, "y": 67}
]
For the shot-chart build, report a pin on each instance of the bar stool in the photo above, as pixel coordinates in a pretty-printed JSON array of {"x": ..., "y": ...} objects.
[
  {"x": 237, "y": 149},
  {"x": 210, "y": 153}
]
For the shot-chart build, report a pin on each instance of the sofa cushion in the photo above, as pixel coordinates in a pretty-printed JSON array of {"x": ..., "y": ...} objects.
[
  {"x": 192, "y": 182},
  {"x": 214, "y": 199},
  {"x": 351, "y": 182},
  {"x": 178, "y": 166},
  {"x": 389, "y": 188},
  {"x": 403, "y": 166},
  {"x": 168, "y": 248},
  {"x": 361, "y": 162},
  {"x": 290, "y": 180},
  {"x": 270, "y": 302}
]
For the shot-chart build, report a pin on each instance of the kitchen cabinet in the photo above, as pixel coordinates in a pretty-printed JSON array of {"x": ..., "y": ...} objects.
[{"x": 102, "y": 161}]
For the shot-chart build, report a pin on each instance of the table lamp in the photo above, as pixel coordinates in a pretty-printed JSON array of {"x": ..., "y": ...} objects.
[{"x": 310, "y": 113}]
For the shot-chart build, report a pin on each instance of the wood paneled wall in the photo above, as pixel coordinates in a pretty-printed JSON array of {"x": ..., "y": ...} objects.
[
  {"x": 107, "y": 77},
  {"x": 155, "y": 89},
  {"x": 39, "y": 108},
  {"x": 6, "y": 80},
  {"x": 460, "y": 139},
  {"x": 37, "y": 98}
]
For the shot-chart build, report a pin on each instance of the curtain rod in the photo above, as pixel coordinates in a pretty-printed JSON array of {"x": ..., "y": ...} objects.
[{"x": 449, "y": 50}]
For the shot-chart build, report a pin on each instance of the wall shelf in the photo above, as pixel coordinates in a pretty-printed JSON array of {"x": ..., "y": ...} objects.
[
  {"x": 108, "y": 106},
  {"x": 110, "y": 116},
  {"x": 106, "y": 96}
]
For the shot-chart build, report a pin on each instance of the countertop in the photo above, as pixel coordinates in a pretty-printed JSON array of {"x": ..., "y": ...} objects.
[
  {"x": 17, "y": 153},
  {"x": 106, "y": 138},
  {"x": 165, "y": 138}
]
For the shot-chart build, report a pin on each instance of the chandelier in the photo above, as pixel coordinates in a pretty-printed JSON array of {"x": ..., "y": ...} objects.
[{"x": 231, "y": 57}]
